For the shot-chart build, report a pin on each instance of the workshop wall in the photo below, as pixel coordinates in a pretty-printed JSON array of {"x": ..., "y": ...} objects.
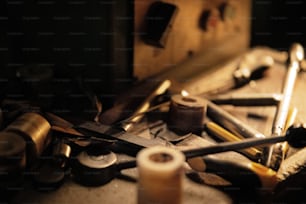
[
  {"x": 278, "y": 23},
  {"x": 76, "y": 48},
  {"x": 67, "y": 50}
]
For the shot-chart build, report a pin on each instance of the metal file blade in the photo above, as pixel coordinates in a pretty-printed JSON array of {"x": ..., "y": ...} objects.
[{"x": 119, "y": 134}]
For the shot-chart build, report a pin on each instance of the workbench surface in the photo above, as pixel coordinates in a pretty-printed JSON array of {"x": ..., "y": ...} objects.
[{"x": 120, "y": 190}]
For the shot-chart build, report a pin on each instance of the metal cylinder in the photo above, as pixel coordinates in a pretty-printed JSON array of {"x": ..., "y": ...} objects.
[
  {"x": 34, "y": 129},
  {"x": 61, "y": 153},
  {"x": 186, "y": 114},
  {"x": 12, "y": 152},
  {"x": 94, "y": 169}
]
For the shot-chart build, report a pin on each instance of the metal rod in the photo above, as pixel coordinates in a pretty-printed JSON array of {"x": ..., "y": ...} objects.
[
  {"x": 231, "y": 123},
  {"x": 232, "y": 146},
  {"x": 257, "y": 99},
  {"x": 296, "y": 55},
  {"x": 145, "y": 105},
  {"x": 252, "y": 152}
]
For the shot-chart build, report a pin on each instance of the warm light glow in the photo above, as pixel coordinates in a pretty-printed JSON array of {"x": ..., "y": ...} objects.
[
  {"x": 184, "y": 93},
  {"x": 300, "y": 55},
  {"x": 99, "y": 108}
]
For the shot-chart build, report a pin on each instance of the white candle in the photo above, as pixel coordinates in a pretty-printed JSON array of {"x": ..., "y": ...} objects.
[{"x": 160, "y": 175}]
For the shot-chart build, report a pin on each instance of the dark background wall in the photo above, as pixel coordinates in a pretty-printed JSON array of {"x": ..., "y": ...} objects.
[
  {"x": 63, "y": 51},
  {"x": 278, "y": 23},
  {"x": 87, "y": 45}
]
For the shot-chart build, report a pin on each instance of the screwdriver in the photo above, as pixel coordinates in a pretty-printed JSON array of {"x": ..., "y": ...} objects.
[
  {"x": 275, "y": 153},
  {"x": 231, "y": 123},
  {"x": 243, "y": 173},
  {"x": 295, "y": 136},
  {"x": 252, "y": 152}
]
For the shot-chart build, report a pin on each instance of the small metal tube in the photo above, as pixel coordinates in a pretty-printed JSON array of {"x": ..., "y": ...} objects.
[
  {"x": 257, "y": 99},
  {"x": 231, "y": 123},
  {"x": 252, "y": 152},
  {"x": 35, "y": 129},
  {"x": 283, "y": 107},
  {"x": 61, "y": 153},
  {"x": 145, "y": 105},
  {"x": 296, "y": 54}
]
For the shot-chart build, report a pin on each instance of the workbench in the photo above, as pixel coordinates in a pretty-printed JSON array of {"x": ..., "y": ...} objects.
[{"x": 122, "y": 190}]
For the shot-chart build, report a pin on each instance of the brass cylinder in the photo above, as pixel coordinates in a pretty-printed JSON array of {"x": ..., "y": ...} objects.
[
  {"x": 35, "y": 131},
  {"x": 12, "y": 153}
]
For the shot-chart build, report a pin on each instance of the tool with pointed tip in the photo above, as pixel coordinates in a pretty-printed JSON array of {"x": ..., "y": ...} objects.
[
  {"x": 145, "y": 105},
  {"x": 295, "y": 136},
  {"x": 112, "y": 132},
  {"x": 275, "y": 153},
  {"x": 245, "y": 99},
  {"x": 233, "y": 124},
  {"x": 296, "y": 56},
  {"x": 252, "y": 153}
]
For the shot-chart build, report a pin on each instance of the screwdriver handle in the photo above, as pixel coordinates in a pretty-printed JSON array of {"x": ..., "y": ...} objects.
[{"x": 244, "y": 173}]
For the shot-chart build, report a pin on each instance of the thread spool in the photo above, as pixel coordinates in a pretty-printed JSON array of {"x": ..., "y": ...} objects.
[
  {"x": 186, "y": 114},
  {"x": 34, "y": 129},
  {"x": 160, "y": 175}
]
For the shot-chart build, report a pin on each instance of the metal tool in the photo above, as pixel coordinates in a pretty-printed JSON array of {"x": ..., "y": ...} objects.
[
  {"x": 247, "y": 99},
  {"x": 275, "y": 153},
  {"x": 213, "y": 111},
  {"x": 250, "y": 67},
  {"x": 296, "y": 56},
  {"x": 102, "y": 163},
  {"x": 291, "y": 175},
  {"x": 231, "y": 123},
  {"x": 61, "y": 153},
  {"x": 232, "y": 166},
  {"x": 129, "y": 104},
  {"x": 212, "y": 128},
  {"x": 145, "y": 105},
  {"x": 295, "y": 136},
  {"x": 243, "y": 173},
  {"x": 35, "y": 130},
  {"x": 51, "y": 172},
  {"x": 12, "y": 154},
  {"x": 219, "y": 78},
  {"x": 96, "y": 166},
  {"x": 111, "y": 132}
]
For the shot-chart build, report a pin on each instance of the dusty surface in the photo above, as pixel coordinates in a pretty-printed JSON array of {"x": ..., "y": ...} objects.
[{"x": 122, "y": 191}]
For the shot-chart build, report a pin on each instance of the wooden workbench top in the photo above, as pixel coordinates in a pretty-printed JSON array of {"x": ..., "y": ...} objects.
[{"x": 120, "y": 190}]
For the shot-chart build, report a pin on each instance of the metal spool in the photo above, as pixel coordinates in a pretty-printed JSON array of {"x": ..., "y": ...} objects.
[
  {"x": 186, "y": 114},
  {"x": 12, "y": 153},
  {"x": 34, "y": 129},
  {"x": 94, "y": 169}
]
